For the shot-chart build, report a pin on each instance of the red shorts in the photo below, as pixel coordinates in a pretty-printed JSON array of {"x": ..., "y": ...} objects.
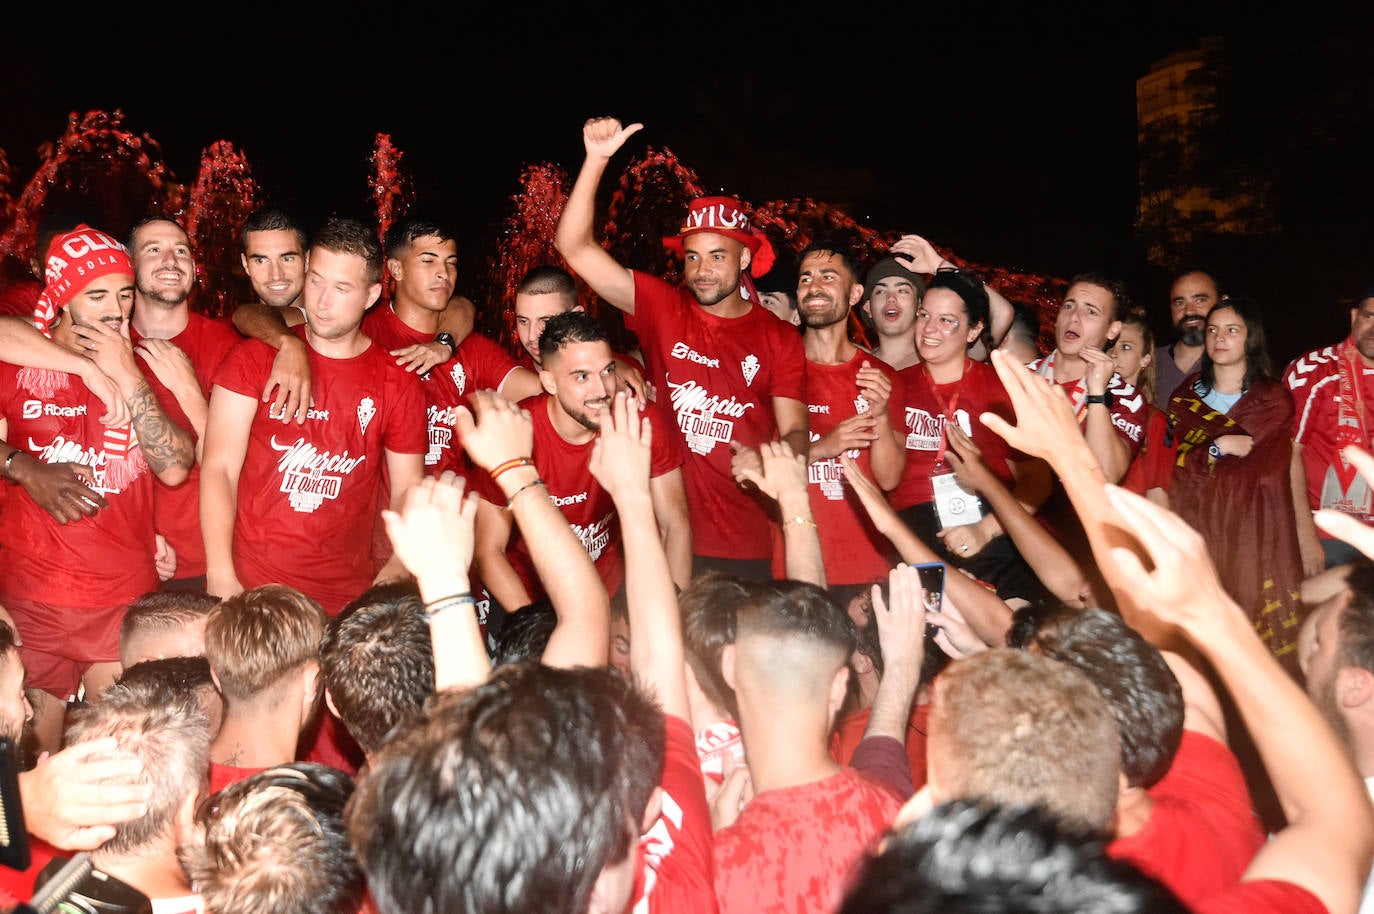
[{"x": 61, "y": 643}]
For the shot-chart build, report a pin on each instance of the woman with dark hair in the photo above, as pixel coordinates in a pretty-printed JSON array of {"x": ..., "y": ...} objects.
[{"x": 1232, "y": 424}]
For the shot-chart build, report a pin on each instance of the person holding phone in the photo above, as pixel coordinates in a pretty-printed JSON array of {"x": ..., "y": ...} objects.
[{"x": 949, "y": 386}]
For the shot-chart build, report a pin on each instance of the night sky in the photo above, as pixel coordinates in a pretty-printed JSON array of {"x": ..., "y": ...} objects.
[{"x": 1008, "y": 138}]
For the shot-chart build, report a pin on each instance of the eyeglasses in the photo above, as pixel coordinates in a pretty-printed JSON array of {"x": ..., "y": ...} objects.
[{"x": 946, "y": 322}]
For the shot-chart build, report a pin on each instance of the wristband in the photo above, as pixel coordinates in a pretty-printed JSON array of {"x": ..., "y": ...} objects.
[
  {"x": 511, "y": 464},
  {"x": 1106, "y": 399},
  {"x": 5, "y": 470},
  {"x": 435, "y": 607},
  {"x": 536, "y": 481}
]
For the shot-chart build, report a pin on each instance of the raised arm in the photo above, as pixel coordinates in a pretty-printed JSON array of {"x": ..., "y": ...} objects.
[
  {"x": 1050, "y": 561},
  {"x": 620, "y": 461},
  {"x": 290, "y": 377},
  {"x": 432, "y": 534},
  {"x": 986, "y": 613},
  {"x": 497, "y": 431},
  {"x": 925, "y": 259},
  {"x": 575, "y": 237},
  {"x": 782, "y": 477},
  {"x": 1329, "y": 841}
]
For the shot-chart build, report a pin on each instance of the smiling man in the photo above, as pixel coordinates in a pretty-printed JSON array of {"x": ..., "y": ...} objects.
[
  {"x": 295, "y": 504},
  {"x": 580, "y": 381}
]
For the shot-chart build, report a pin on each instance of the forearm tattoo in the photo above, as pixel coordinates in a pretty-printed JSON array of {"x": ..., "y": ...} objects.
[{"x": 165, "y": 444}]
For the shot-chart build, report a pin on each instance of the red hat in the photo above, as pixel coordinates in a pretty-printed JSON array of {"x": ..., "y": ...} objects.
[
  {"x": 74, "y": 261},
  {"x": 724, "y": 216}
]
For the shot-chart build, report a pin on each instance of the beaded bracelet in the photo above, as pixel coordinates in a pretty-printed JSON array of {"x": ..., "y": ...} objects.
[
  {"x": 435, "y": 607},
  {"x": 511, "y": 464},
  {"x": 536, "y": 481}
]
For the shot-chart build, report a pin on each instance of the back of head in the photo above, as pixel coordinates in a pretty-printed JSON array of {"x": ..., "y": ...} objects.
[
  {"x": 791, "y": 637},
  {"x": 175, "y": 679},
  {"x": 963, "y": 857},
  {"x": 164, "y": 624},
  {"x": 256, "y": 637},
  {"x": 276, "y": 843},
  {"x": 525, "y": 633},
  {"x": 349, "y": 236},
  {"x": 377, "y": 661},
  {"x": 708, "y": 605},
  {"x": 1356, "y": 625},
  {"x": 270, "y": 219},
  {"x": 1144, "y": 696},
  {"x": 1015, "y": 728},
  {"x": 170, "y": 736},
  {"x": 513, "y": 796}
]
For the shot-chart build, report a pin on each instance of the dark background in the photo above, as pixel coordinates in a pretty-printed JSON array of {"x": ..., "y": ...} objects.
[{"x": 1004, "y": 133}]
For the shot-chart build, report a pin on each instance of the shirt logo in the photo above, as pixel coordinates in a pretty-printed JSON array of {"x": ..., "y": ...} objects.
[
  {"x": 366, "y": 410},
  {"x": 750, "y": 367},
  {"x": 459, "y": 376},
  {"x": 310, "y": 477},
  {"x": 698, "y": 415}
]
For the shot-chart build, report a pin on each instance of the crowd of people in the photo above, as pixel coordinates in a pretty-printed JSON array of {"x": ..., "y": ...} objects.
[{"x": 344, "y": 606}]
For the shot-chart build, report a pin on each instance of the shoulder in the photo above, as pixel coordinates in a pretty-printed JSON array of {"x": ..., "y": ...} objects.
[{"x": 1311, "y": 366}]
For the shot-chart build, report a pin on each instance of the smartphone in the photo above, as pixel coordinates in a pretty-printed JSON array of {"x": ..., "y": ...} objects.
[{"x": 932, "y": 576}]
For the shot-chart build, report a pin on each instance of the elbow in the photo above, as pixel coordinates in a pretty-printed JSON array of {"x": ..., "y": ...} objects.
[{"x": 174, "y": 474}]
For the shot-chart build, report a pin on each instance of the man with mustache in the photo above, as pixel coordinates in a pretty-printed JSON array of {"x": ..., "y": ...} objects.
[{"x": 1191, "y": 296}]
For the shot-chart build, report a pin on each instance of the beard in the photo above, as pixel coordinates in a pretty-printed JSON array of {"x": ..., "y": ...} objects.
[{"x": 1192, "y": 331}]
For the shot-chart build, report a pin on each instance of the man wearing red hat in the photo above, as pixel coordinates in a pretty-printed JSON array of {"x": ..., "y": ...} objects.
[
  {"x": 733, "y": 373},
  {"x": 76, "y": 528}
]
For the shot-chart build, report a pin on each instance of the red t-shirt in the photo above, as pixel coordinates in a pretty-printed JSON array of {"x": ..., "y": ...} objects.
[
  {"x": 176, "y": 509},
  {"x": 926, "y": 409},
  {"x": 221, "y": 776},
  {"x": 19, "y": 298},
  {"x": 795, "y": 848},
  {"x": 1153, "y": 466},
  {"x": 96, "y": 562},
  {"x": 853, "y": 550},
  {"x": 1202, "y": 832},
  {"x": 590, "y": 510},
  {"x": 850, "y": 732},
  {"x": 479, "y": 364},
  {"x": 308, "y": 494},
  {"x": 678, "y": 872},
  {"x": 718, "y": 376},
  {"x": 1313, "y": 380},
  {"x": 1128, "y": 406}
]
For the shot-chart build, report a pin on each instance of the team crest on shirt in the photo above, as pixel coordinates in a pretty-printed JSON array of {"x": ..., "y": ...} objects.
[
  {"x": 459, "y": 376},
  {"x": 750, "y": 367},
  {"x": 861, "y": 404},
  {"x": 366, "y": 410}
]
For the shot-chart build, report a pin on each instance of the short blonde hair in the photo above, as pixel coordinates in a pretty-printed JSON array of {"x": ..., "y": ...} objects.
[{"x": 255, "y": 638}]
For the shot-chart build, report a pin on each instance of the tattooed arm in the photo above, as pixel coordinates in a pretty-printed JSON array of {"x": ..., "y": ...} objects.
[{"x": 169, "y": 449}]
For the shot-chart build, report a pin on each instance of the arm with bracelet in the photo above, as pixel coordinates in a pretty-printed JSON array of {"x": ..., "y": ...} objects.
[
  {"x": 782, "y": 477},
  {"x": 495, "y": 432},
  {"x": 432, "y": 535}
]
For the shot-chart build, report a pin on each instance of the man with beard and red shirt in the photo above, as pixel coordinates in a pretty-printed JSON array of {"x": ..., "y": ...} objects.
[
  {"x": 1332, "y": 388},
  {"x": 76, "y": 528},
  {"x": 580, "y": 380},
  {"x": 297, "y": 504},
  {"x": 732, "y": 372},
  {"x": 847, "y": 395}
]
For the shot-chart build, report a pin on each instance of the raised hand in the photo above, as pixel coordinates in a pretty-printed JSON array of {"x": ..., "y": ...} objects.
[
  {"x": 876, "y": 388},
  {"x": 780, "y": 472},
  {"x": 433, "y": 534},
  {"x": 112, "y": 352},
  {"x": 603, "y": 136},
  {"x": 1097, "y": 377},
  {"x": 1045, "y": 426},
  {"x": 169, "y": 363},
  {"x": 966, "y": 459},
  {"x": 1342, "y": 525},
  {"x": 621, "y": 455},
  {"x": 494, "y": 430},
  {"x": 924, "y": 258}
]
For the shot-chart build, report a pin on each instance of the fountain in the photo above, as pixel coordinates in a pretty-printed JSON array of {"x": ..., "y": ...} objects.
[{"x": 102, "y": 166}]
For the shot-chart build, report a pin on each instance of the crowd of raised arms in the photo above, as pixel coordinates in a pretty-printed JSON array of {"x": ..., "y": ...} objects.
[{"x": 337, "y": 606}]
